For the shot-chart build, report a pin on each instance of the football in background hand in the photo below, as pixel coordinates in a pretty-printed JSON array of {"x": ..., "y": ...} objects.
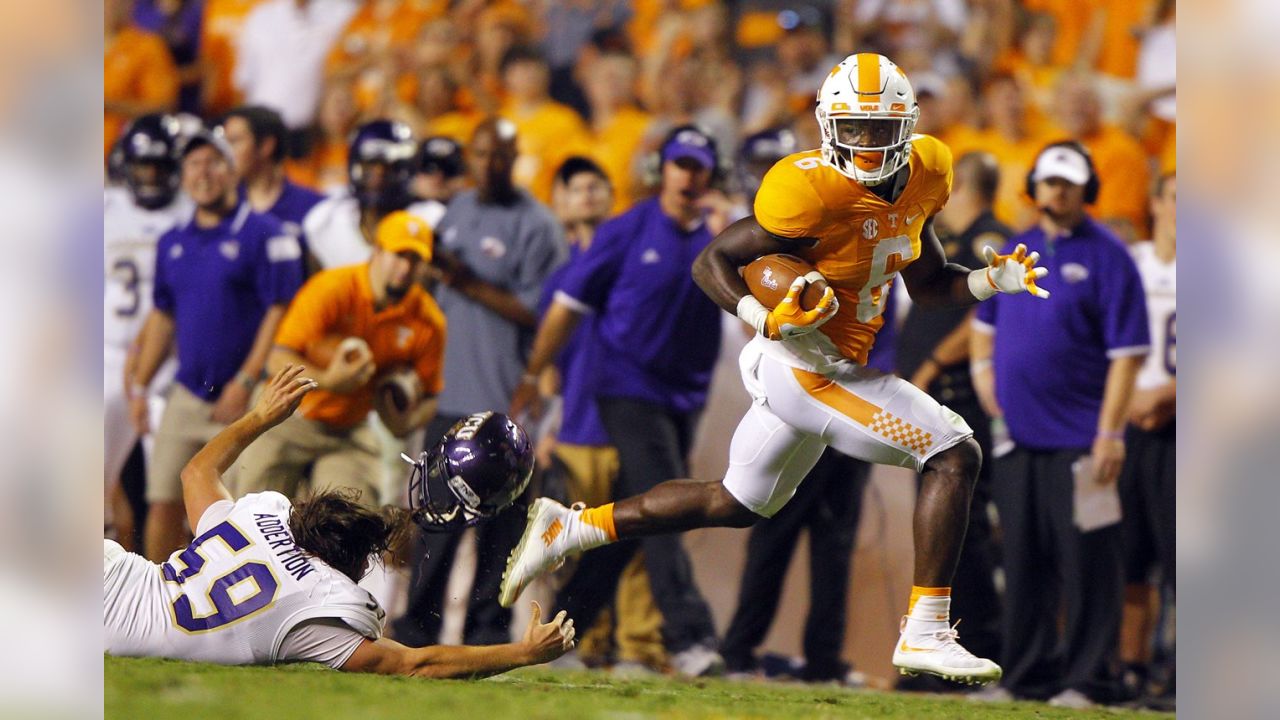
[
  {"x": 322, "y": 352},
  {"x": 396, "y": 390},
  {"x": 771, "y": 276}
]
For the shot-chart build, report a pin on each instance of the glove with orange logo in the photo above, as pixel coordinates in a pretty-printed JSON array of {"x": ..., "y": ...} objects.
[
  {"x": 1013, "y": 273},
  {"x": 788, "y": 319}
]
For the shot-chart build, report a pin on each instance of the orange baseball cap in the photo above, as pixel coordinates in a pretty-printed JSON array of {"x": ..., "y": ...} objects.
[{"x": 402, "y": 231}]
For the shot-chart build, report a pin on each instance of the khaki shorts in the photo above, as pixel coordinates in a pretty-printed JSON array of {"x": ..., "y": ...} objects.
[
  {"x": 304, "y": 456},
  {"x": 635, "y": 629},
  {"x": 185, "y": 427}
]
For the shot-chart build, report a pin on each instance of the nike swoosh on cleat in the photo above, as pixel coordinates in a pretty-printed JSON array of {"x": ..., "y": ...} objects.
[{"x": 904, "y": 647}]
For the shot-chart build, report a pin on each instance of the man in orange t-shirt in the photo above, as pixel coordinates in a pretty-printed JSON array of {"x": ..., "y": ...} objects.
[
  {"x": 139, "y": 75},
  {"x": 397, "y": 325},
  {"x": 548, "y": 131},
  {"x": 1118, "y": 156}
]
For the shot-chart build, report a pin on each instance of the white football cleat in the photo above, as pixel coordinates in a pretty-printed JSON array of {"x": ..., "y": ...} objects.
[
  {"x": 541, "y": 550},
  {"x": 940, "y": 653}
]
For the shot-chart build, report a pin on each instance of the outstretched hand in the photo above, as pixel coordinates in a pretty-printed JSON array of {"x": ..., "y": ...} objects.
[
  {"x": 281, "y": 396},
  {"x": 1015, "y": 272},
  {"x": 548, "y": 641}
]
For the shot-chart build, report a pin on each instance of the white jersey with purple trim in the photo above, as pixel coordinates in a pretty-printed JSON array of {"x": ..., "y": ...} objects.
[
  {"x": 233, "y": 595},
  {"x": 129, "y": 235},
  {"x": 332, "y": 229},
  {"x": 1160, "y": 281}
]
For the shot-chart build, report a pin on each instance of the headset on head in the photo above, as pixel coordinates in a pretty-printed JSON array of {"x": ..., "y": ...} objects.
[
  {"x": 653, "y": 160},
  {"x": 1091, "y": 187}
]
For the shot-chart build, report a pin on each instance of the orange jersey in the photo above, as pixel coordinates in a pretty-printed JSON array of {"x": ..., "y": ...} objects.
[
  {"x": 137, "y": 68},
  {"x": 340, "y": 302},
  {"x": 223, "y": 20},
  {"x": 862, "y": 240},
  {"x": 546, "y": 136},
  {"x": 615, "y": 146},
  {"x": 1125, "y": 176}
]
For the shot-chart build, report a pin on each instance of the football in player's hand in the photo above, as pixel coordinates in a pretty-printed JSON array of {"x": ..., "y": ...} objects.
[
  {"x": 771, "y": 276},
  {"x": 321, "y": 353},
  {"x": 396, "y": 390}
]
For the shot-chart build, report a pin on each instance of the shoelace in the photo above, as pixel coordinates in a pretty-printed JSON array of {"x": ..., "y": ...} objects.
[{"x": 953, "y": 636}]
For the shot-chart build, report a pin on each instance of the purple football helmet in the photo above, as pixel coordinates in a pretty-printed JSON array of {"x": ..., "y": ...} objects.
[
  {"x": 389, "y": 144},
  {"x": 476, "y": 470}
]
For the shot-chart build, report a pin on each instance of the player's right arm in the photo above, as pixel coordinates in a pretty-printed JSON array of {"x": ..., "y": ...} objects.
[
  {"x": 154, "y": 344},
  {"x": 542, "y": 643},
  {"x": 202, "y": 476},
  {"x": 716, "y": 272},
  {"x": 716, "y": 267}
]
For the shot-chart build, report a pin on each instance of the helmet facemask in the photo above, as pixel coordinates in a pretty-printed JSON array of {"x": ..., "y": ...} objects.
[
  {"x": 869, "y": 147},
  {"x": 438, "y": 505}
]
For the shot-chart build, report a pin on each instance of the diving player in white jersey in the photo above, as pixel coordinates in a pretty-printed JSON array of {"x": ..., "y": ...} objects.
[
  {"x": 134, "y": 216},
  {"x": 268, "y": 582},
  {"x": 381, "y": 163}
]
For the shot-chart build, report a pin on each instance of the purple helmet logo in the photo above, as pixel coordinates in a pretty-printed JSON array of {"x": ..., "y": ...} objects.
[{"x": 476, "y": 470}]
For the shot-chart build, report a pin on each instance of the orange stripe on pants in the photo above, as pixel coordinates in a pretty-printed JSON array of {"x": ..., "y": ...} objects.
[{"x": 829, "y": 393}]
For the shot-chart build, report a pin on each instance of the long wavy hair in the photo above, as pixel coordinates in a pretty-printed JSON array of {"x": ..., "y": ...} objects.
[{"x": 333, "y": 526}]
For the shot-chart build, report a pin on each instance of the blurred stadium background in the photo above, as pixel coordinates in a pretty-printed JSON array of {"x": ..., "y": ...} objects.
[{"x": 1004, "y": 76}]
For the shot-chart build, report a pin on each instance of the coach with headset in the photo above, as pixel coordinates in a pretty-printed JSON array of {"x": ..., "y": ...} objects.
[
  {"x": 657, "y": 337},
  {"x": 1060, "y": 373}
]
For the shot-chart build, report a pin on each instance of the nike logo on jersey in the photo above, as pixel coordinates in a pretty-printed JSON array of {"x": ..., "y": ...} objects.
[
  {"x": 650, "y": 257},
  {"x": 912, "y": 218}
]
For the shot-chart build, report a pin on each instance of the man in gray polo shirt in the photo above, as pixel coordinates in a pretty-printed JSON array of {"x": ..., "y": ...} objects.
[{"x": 495, "y": 247}]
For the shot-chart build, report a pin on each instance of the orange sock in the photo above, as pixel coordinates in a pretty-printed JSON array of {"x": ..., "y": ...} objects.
[
  {"x": 943, "y": 594},
  {"x": 601, "y": 517}
]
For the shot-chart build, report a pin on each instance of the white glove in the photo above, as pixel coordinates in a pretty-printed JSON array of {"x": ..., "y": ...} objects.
[{"x": 1014, "y": 273}]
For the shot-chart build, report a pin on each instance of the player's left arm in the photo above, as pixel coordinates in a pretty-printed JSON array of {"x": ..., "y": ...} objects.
[
  {"x": 543, "y": 642},
  {"x": 202, "y": 477},
  {"x": 934, "y": 282}
]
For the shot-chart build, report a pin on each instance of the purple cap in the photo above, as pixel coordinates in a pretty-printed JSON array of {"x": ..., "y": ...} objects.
[{"x": 691, "y": 143}]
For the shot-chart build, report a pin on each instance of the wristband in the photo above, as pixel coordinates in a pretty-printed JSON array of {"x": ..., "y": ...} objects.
[
  {"x": 1111, "y": 434},
  {"x": 980, "y": 283},
  {"x": 137, "y": 390},
  {"x": 753, "y": 313},
  {"x": 978, "y": 366},
  {"x": 246, "y": 380}
]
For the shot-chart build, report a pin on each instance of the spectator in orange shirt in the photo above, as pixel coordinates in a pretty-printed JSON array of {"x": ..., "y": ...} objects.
[
  {"x": 435, "y": 108},
  {"x": 219, "y": 36},
  {"x": 1118, "y": 157},
  {"x": 396, "y": 324},
  {"x": 139, "y": 76},
  {"x": 548, "y": 131},
  {"x": 325, "y": 169},
  {"x": 1015, "y": 143},
  {"x": 376, "y": 46},
  {"x": 618, "y": 125}
]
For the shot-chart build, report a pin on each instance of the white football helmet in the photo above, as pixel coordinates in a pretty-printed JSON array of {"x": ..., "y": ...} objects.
[{"x": 867, "y": 112}]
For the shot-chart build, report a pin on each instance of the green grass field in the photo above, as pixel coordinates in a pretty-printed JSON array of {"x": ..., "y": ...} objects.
[{"x": 157, "y": 689}]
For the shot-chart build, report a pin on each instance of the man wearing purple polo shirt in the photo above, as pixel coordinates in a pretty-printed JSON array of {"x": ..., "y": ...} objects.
[
  {"x": 1060, "y": 372},
  {"x": 222, "y": 282},
  {"x": 657, "y": 337},
  {"x": 258, "y": 136}
]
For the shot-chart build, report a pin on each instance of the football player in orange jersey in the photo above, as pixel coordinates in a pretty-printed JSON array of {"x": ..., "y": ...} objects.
[{"x": 860, "y": 211}]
